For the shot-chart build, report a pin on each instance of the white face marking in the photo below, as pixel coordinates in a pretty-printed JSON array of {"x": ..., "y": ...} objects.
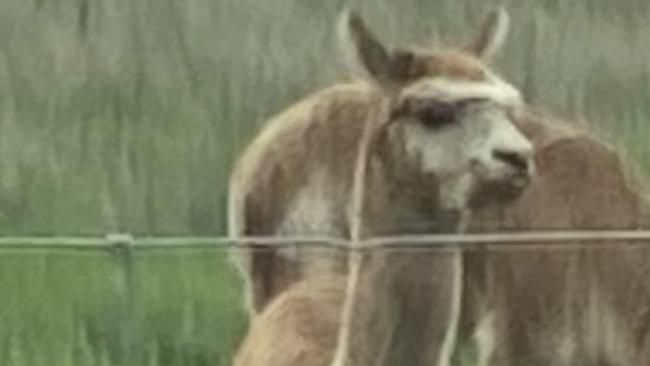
[
  {"x": 466, "y": 152},
  {"x": 494, "y": 89}
]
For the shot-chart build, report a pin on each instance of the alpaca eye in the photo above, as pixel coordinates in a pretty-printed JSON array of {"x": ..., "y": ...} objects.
[{"x": 438, "y": 114}]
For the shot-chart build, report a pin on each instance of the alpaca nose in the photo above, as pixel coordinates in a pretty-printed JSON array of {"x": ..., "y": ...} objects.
[{"x": 517, "y": 159}]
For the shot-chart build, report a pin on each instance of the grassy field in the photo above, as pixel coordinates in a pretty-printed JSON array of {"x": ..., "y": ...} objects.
[
  {"x": 178, "y": 307},
  {"x": 125, "y": 115}
]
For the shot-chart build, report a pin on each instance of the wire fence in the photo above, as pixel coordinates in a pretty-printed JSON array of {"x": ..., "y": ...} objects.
[
  {"x": 126, "y": 250},
  {"x": 127, "y": 242}
]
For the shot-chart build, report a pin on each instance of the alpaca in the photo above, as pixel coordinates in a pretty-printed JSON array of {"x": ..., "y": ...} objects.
[
  {"x": 511, "y": 299},
  {"x": 424, "y": 139},
  {"x": 584, "y": 304}
]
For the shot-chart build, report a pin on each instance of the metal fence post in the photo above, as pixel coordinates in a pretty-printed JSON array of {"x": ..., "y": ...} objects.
[{"x": 123, "y": 246}]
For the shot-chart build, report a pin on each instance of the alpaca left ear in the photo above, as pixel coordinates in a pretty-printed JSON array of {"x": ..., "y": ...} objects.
[
  {"x": 363, "y": 49},
  {"x": 492, "y": 34}
]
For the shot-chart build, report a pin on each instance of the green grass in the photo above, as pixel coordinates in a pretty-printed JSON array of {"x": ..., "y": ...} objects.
[
  {"x": 176, "y": 307},
  {"x": 125, "y": 115}
]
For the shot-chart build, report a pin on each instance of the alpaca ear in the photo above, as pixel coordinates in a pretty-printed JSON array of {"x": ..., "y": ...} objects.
[
  {"x": 492, "y": 34},
  {"x": 363, "y": 50}
]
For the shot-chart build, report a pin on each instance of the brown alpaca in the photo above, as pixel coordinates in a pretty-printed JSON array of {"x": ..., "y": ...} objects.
[
  {"x": 296, "y": 177},
  {"x": 580, "y": 305},
  {"x": 532, "y": 307},
  {"x": 411, "y": 150},
  {"x": 299, "y": 327}
]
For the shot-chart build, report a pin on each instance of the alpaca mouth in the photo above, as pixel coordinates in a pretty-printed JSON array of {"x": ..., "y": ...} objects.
[
  {"x": 511, "y": 176},
  {"x": 519, "y": 180},
  {"x": 499, "y": 191}
]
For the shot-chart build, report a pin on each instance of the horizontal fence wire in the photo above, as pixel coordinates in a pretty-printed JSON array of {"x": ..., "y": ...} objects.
[{"x": 514, "y": 239}]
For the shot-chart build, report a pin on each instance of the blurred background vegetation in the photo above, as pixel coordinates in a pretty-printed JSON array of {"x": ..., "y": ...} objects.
[{"x": 125, "y": 115}]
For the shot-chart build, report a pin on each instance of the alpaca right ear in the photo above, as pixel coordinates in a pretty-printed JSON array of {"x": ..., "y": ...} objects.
[
  {"x": 492, "y": 34},
  {"x": 363, "y": 49}
]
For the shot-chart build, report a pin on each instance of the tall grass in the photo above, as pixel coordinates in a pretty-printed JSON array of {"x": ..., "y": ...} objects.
[
  {"x": 66, "y": 309},
  {"x": 125, "y": 115}
]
